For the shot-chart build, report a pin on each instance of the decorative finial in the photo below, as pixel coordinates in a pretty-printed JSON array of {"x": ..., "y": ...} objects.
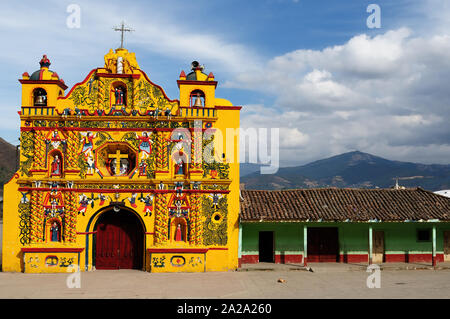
[{"x": 45, "y": 62}]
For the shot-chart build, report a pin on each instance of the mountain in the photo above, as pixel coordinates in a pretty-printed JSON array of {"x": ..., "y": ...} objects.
[
  {"x": 248, "y": 168},
  {"x": 353, "y": 170},
  {"x": 7, "y": 162}
]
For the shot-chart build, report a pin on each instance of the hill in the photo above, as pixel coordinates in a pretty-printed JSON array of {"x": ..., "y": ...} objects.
[
  {"x": 353, "y": 170},
  {"x": 7, "y": 161}
]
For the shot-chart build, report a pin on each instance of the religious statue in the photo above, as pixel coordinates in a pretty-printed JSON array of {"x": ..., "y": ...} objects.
[
  {"x": 215, "y": 200},
  {"x": 179, "y": 167},
  {"x": 132, "y": 200},
  {"x": 148, "y": 201},
  {"x": 142, "y": 168},
  {"x": 145, "y": 146},
  {"x": 84, "y": 202},
  {"x": 178, "y": 188},
  {"x": 90, "y": 165},
  {"x": 119, "y": 95},
  {"x": 87, "y": 143},
  {"x": 178, "y": 233},
  {"x": 54, "y": 230},
  {"x": 56, "y": 166}
]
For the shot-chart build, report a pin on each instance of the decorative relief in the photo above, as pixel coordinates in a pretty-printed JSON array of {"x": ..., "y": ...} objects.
[{"x": 215, "y": 211}]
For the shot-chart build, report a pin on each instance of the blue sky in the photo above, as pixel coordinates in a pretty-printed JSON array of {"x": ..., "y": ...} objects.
[{"x": 312, "y": 68}]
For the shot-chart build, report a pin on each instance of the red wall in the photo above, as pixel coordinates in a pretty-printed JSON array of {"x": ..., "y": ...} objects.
[{"x": 346, "y": 258}]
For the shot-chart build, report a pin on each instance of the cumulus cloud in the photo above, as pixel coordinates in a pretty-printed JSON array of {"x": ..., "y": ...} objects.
[{"x": 387, "y": 94}]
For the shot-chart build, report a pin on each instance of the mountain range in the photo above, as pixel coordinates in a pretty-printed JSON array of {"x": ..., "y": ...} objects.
[{"x": 350, "y": 170}]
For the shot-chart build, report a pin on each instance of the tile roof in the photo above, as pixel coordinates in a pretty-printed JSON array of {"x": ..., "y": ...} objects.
[{"x": 332, "y": 204}]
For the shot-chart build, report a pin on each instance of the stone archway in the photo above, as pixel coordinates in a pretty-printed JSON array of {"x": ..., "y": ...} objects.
[{"x": 119, "y": 241}]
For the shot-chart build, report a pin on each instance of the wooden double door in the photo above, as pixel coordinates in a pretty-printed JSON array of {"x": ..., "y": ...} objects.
[
  {"x": 119, "y": 241},
  {"x": 323, "y": 244}
]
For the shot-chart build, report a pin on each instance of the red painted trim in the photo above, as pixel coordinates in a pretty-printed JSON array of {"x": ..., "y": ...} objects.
[
  {"x": 288, "y": 259},
  {"x": 194, "y": 82},
  {"x": 218, "y": 248},
  {"x": 58, "y": 82},
  {"x": 177, "y": 250},
  {"x": 228, "y": 107},
  {"x": 119, "y": 76},
  {"x": 353, "y": 258},
  {"x": 51, "y": 250},
  {"x": 160, "y": 191},
  {"x": 93, "y": 129},
  {"x": 413, "y": 258},
  {"x": 395, "y": 258},
  {"x": 279, "y": 259},
  {"x": 250, "y": 259}
]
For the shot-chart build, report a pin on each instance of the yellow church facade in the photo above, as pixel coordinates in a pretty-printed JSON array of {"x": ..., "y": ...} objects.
[{"x": 114, "y": 174}]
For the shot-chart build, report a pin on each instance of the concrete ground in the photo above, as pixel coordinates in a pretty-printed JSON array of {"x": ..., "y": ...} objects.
[
  {"x": 252, "y": 281},
  {"x": 335, "y": 283}
]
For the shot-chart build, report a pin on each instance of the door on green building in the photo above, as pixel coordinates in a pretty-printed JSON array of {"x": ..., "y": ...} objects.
[
  {"x": 378, "y": 247},
  {"x": 323, "y": 244},
  {"x": 266, "y": 247},
  {"x": 447, "y": 245}
]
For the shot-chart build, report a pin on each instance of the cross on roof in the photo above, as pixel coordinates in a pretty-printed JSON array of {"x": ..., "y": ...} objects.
[{"x": 122, "y": 29}]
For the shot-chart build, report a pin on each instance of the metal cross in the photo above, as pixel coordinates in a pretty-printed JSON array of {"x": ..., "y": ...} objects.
[{"x": 122, "y": 29}]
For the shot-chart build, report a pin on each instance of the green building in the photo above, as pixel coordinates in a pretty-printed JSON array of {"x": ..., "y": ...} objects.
[{"x": 344, "y": 225}]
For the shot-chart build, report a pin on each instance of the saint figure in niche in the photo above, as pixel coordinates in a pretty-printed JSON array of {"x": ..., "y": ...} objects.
[
  {"x": 56, "y": 166},
  {"x": 178, "y": 233},
  {"x": 54, "y": 230},
  {"x": 179, "y": 167},
  {"x": 119, "y": 94}
]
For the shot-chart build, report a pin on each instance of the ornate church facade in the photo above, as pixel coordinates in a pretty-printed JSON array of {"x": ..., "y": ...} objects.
[{"x": 115, "y": 175}]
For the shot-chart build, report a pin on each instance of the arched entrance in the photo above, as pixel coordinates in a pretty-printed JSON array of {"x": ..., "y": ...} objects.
[{"x": 119, "y": 242}]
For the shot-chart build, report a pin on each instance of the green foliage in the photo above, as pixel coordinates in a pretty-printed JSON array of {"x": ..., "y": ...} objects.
[
  {"x": 131, "y": 138},
  {"x": 82, "y": 164}
]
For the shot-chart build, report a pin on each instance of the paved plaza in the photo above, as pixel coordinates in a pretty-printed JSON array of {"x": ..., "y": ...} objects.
[{"x": 253, "y": 281}]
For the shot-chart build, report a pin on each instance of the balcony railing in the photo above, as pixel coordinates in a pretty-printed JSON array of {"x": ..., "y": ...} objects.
[{"x": 201, "y": 112}]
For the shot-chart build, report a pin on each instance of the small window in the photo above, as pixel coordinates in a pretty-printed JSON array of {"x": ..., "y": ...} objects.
[{"x": 423, "y": 235}]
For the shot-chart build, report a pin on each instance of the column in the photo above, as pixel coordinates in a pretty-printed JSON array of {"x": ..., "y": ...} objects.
[
  {"x": 240, "y": 246},
  {"x": 434, "y": 246},
  {"x": 370, "y": 244},
  {"x": 305, "y": 245}
]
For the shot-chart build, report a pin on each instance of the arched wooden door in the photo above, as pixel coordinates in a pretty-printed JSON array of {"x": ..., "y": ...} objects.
[{"x": 119, "y": 241}]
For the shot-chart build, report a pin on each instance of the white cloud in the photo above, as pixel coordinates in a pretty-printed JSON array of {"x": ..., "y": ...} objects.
[{"x": 388, "y": 94}]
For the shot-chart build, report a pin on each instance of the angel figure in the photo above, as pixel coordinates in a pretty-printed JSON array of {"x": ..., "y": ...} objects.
[{"x": 145, "y": 146}]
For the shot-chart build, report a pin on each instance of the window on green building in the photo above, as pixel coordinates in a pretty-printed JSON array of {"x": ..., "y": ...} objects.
[{"x": 423, "y": 235}]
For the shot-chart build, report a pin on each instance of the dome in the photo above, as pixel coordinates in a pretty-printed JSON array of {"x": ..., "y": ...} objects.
[{"x": 44, "y": 73}]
